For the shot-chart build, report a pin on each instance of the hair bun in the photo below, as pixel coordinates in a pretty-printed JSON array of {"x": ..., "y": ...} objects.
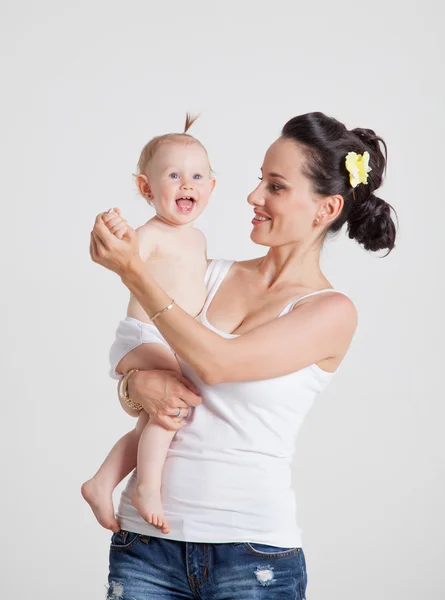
[
  {"x": 326, "y": 143},
  {"x": 370, "y": 224}
]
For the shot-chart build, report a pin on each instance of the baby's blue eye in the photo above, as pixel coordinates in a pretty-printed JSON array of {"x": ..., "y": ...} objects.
[
  {"x": 174, "y": 176},
  {"x": 197, "y": 176}
]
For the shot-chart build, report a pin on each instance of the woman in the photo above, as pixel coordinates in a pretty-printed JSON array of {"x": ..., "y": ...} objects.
[{"x": 226, "y": 482}]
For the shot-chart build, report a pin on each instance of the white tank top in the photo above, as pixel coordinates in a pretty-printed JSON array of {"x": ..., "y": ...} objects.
[{"x": 227, "y": 476}]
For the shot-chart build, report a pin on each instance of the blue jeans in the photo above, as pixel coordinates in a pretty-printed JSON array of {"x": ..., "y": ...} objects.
[{"x": 146, "y": 568}]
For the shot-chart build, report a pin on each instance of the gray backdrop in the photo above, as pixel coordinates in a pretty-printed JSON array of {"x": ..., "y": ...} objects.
[{"x": 85, "y": 85}]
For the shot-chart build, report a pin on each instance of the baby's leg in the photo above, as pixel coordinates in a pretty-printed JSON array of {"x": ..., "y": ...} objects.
[
  {"x": 98, "y": 491},
  {"x": 153, "y": 443},
  {"x": 152, "y": 451}
]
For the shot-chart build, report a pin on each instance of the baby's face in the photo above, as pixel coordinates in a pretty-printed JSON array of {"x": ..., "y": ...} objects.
[{"x": 180, "y": 182}]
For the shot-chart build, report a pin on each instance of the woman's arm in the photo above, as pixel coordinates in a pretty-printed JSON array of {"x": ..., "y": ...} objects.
[{"x": 321, "y": 327}]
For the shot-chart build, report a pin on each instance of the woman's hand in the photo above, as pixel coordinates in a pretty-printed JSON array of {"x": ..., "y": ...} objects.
[
  {"x": 162, "y": 393},
  {"x": 106, "y": 249}
]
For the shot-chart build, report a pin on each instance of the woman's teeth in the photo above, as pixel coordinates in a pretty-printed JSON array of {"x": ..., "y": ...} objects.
[{"x": 260, "y": 218}]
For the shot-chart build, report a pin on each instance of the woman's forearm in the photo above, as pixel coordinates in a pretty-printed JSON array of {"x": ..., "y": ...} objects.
[
  {"x": 202, "y": 349},
  {"x": 319, "y": 329}
]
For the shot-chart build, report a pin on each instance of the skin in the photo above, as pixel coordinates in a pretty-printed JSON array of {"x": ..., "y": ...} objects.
[
  {"x": 319, "y": 330},
  {"x": 174, "y": 251},
  {"x": 173, "y": 173}
]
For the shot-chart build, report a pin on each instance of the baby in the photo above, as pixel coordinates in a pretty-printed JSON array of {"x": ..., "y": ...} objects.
[{"x": 175, "y": 177}]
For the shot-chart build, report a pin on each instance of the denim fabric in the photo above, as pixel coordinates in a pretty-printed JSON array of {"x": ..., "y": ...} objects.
[{"x": 145, "y": 568}]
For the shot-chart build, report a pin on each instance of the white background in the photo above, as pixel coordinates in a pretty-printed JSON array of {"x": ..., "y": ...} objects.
[{"x": 85, "y": 85}]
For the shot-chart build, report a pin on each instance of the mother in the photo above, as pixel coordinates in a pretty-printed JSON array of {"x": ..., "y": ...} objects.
[{"x": 227, "y": 479}]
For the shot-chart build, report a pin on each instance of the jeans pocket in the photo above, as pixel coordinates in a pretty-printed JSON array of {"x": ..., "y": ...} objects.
[
  {"x": 266, "y": 551},
  {"x": 125, "y": 540}
]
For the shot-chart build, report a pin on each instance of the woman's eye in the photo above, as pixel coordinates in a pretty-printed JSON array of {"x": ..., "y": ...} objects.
[
  {"x": 174, "y": 175},
  {"x": 273, "y": 187},
  {"x": 197, "y": 176}
]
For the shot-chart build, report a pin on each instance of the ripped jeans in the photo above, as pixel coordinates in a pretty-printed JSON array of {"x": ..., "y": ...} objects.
[{"x": 145, "y": 568}]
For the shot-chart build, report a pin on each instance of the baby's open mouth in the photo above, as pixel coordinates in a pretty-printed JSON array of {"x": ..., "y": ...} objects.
[{"x": 185, "y": 204}]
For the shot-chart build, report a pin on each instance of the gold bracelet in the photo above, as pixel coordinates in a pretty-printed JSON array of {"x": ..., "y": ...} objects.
[
  {"x": 156, "y": 315},
  {"x": 122, "y": 390}
]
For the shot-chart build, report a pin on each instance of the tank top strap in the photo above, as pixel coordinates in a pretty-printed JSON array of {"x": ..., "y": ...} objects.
[
  {"x": 291, "y": 305},
  {"x": 215, "y": 273}
]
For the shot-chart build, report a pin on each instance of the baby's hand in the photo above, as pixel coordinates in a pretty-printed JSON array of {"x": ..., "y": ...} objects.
[{"x": 115, "y": 223}]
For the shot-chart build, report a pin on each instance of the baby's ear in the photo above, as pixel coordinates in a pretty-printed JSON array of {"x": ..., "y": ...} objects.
[
  {"x": 143, "y": 185},
  {"x": 212, "y": 184}
]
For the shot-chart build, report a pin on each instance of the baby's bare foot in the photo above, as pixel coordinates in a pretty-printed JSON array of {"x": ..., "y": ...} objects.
[
  {"x": 148, "y": 503},
  {"x": 101, "y": 501}
]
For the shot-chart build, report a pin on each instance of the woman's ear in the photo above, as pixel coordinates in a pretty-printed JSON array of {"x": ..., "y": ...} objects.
[
  {"x": 332, "y": 207},
  {"x": 143, "y": 185}
]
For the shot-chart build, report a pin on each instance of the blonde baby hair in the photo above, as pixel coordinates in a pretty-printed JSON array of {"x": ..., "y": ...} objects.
[{"x": 150, "y": 149}]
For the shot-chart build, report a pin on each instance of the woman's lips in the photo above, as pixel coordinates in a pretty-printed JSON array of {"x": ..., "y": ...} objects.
[{"x": 258, "y": 219}]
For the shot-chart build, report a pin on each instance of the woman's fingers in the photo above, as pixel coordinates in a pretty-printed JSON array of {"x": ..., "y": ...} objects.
[
  {"x": 181, "y": 399},
  {"x": 183, "y": 411},
  {"x": 102, "y": 231},
  {"x": 188, "y": 384},
  {"x": 120, "y": 226},
  {"x": 119, "y": 233},
  {"x": 169, "y": 423},
  {"x": 111, "y": 214},
  {"x": 172, "y": 403},
  {"x": 117, "y": 225},
  {"x": 189, "y": 397},
  {"x": 162, "y": 393},
  {"x": 110, "y": 223},
  {"x": 113, "y": 222},
  {"x": 182, "y": 388},
  {"x": 113, "y": 210}
]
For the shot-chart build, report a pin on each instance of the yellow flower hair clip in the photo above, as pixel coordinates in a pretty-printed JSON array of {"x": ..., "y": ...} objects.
[{"x": 358, "y": 167}]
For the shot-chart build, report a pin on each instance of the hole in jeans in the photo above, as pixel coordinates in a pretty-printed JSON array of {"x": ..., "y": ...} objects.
[{"x": 264, "y": 575}]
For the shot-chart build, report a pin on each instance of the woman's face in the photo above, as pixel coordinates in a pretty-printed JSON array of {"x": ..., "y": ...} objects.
[{"x": 284, "y": 203}]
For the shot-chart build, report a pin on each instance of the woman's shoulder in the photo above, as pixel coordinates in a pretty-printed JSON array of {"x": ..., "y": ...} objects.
[{"x": 329, "y": 306}]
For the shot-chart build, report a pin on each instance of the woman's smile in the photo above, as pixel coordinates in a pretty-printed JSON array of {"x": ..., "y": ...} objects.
[{"x": 260, "y": 218}]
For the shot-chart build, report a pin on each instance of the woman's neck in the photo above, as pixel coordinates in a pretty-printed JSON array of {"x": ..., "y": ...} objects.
[{"x": 286, "y": 265}]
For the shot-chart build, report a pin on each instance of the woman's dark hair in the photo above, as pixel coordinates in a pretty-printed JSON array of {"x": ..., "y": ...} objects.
[{"x": 326, "y": 142}]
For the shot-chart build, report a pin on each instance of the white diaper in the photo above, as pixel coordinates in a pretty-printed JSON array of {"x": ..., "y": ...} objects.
[{"x": 130, "y": 334}]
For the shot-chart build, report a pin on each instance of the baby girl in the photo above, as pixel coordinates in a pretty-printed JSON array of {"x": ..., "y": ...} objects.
[{"x": 175, "y": 177}]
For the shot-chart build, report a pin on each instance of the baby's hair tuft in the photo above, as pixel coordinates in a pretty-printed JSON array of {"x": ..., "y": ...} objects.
[{"x": 189, "y": 120}]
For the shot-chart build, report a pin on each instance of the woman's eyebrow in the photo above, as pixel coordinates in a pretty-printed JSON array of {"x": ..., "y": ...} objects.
[{"x": 275, "y": 175}]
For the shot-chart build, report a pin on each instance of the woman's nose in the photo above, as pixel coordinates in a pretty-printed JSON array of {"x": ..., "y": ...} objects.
[{"x": 254, "y": 198}]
